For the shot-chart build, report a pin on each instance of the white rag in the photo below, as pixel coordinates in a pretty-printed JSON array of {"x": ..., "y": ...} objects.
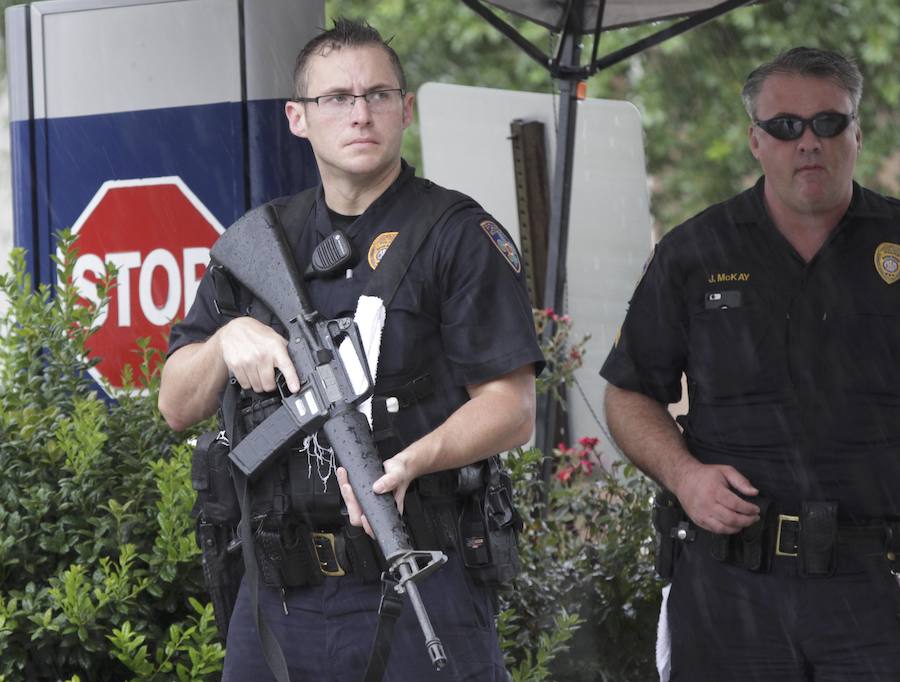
[{"x": 369, "y": 318}]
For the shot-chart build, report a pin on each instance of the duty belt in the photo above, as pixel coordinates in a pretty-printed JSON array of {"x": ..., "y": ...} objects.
[
  {"x": 814, "y": 538},
  {"x": 297, "y": 556}
]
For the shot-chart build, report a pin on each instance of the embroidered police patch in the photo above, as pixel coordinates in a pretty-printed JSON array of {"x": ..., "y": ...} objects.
[
  {"x": 887, "y": 261},
  {"x": 503, "y": 243},
  {"x": 379, "y": 247}
]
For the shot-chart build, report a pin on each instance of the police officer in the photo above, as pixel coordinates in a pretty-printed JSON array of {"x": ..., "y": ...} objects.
[
  {"x": 782, "y": 307},
  {"x": 455, "y": 377}
]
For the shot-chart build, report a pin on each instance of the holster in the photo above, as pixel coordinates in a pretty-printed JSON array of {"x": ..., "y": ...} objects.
[
  {"x": 211, "y": 479},
  {"x": 489, "y": 527},
  {"x": 817, "y": 549},
  {"x": 667, "y": 514},
  {"x": 222, "y": 569}
]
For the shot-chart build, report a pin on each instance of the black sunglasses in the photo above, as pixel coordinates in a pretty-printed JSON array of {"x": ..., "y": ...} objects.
[{"x": 823, "y": 124}]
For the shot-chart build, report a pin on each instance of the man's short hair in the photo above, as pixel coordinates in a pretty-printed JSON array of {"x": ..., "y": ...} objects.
[
  {"x": 805, "y": 61},
  {"x": 344, "y": 33}
]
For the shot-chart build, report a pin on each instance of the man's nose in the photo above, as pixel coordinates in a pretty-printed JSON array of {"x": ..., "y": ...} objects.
[
  {"x": 809, "y": 141},
  {"x": 360, "y": 113}
]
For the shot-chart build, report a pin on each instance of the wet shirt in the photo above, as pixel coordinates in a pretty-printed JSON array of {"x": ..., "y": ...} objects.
[
  {"x": 793, "y": 368},
  {"x": 462, "y": 309}
]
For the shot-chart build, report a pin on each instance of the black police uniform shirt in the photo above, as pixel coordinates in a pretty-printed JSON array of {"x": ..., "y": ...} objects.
[
  {"x": 793, "y": 368},
  {"x": 461, "y": 313}
]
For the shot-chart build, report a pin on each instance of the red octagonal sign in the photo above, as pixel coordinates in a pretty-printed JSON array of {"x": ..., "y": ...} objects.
[{"x": 158, "y": 234}]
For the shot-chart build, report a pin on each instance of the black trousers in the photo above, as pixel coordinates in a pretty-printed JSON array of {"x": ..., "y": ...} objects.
[
  {"x": 327, "y": 634},
  {"x": 730, "y": 625}
]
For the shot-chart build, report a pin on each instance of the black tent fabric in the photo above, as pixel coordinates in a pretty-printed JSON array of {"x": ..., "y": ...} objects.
[{"x": 616, "y": 13}]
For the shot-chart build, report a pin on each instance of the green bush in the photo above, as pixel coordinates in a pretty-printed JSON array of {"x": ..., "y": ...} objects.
[
  {"x": 587, "y": 570},
  {"x": 100, "y": 576},
  {"x": 99, "y": 573}
]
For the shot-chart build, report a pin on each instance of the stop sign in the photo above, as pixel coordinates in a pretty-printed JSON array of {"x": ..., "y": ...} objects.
[{"x": 158, "y": 234}]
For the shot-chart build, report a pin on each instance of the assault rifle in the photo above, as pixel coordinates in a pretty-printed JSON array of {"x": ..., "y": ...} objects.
[{"x": 324, "y": 353}]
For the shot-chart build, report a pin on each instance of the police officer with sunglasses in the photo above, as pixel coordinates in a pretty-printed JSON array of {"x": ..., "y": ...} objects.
[{"x": 779, "y": 522}]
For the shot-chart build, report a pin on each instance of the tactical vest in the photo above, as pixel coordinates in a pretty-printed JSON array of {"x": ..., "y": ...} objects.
[{"x": 454, "y": 508}]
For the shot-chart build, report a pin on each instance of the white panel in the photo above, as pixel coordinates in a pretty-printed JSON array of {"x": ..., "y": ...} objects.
[
  {"x": 274, "y": 32},
  {"x": 465, "y": 142},
  {"x": 17, "y": 63},
  {"x": 108, "y": 56}
]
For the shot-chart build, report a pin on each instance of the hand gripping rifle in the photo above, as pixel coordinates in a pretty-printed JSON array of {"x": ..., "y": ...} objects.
[{"x": 255, "y": 252}]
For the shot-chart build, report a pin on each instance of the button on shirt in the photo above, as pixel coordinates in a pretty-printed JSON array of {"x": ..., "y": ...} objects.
[{"x": 793, "y": 368}]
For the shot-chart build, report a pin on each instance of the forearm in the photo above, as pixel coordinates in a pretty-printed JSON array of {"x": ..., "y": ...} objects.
[
  {"x": 648, "y": 435},
  {"x": 498, "y": 417},
  {"x": 192, "y": 381}
]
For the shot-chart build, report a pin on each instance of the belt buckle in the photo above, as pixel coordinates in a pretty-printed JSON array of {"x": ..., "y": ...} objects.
[
  {"x": 326, "y": 553},
  {"x": 782, "y": 518}
]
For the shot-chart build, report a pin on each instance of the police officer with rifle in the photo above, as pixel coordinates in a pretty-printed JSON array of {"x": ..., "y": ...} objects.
[{"x": 411, "y": 311}]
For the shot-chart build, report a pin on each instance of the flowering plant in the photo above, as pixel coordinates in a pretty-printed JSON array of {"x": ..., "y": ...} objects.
[
  {"x": 562, "y": 354},
  {"x": 575, "y": 461}
]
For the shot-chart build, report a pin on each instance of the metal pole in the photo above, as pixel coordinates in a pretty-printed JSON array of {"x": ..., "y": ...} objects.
[{"x": 554, "y": 286}]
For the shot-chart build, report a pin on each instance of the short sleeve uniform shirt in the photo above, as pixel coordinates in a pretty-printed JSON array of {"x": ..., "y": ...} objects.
[{"x": 793, "y": 368}]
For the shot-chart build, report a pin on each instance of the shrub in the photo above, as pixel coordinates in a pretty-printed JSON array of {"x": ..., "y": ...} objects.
[
  {"x": 587, "y": 569},
  {"x": 99, "y": 573}
]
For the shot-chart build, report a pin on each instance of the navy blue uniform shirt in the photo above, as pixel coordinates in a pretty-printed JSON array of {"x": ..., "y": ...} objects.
[
  {"x": 463, "y": 299},
  {"x": 793, "y": 368}
]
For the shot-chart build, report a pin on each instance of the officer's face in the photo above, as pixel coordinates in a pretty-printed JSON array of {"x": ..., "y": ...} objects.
[
  {"x": 357, "y": 144},
  {"x": 810, "y": 175}
]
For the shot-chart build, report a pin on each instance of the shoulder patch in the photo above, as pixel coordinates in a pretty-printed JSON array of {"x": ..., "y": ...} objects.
[
  {"x": 887, "y": 261},
  {"x": 503, "y": 243},
  {"x": 379, "y": 247}
]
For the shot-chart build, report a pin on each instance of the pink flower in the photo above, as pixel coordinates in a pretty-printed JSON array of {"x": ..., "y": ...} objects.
[
  {"x": 564, "y": 474},
  {"x": 588, "y": 442}
]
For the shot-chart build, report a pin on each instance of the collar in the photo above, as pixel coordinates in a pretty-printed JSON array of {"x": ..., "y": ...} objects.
[{"x": 322, "y": 221}]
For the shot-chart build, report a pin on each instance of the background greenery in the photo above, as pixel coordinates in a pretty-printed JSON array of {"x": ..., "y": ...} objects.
[{"x": 687, "y": 89}]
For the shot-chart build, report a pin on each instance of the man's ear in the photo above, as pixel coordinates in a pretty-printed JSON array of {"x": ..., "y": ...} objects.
[
  {"x": 407, "y": 109},
  {"x": 752, "y": 133},
  {"x": 296, "y": 116}
]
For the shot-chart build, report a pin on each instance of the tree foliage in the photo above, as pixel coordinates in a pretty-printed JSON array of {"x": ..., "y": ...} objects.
[
  {"x": 99, "y": 571},
  {"x": 687, "y": 89}
]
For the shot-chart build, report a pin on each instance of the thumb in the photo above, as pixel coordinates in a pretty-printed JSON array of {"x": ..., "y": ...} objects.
[{"x": 739, "y": 482}]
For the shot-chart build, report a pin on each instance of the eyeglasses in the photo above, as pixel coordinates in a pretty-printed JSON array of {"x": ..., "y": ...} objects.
[
  {"x": 378, "y": 101},
  {"x": 823, "y": 124}
]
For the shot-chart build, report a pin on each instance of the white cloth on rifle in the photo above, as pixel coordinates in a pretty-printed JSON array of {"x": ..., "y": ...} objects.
[{"x": 369, "y": 319}]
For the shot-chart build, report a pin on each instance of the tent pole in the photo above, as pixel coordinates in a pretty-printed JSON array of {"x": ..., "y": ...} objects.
[{"x": 548, "y": 426}]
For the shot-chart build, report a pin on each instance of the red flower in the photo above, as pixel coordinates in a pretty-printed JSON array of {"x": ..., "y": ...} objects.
[
  {"x": 588, "y": 442},
  {"x": 564, "y": 474}
]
